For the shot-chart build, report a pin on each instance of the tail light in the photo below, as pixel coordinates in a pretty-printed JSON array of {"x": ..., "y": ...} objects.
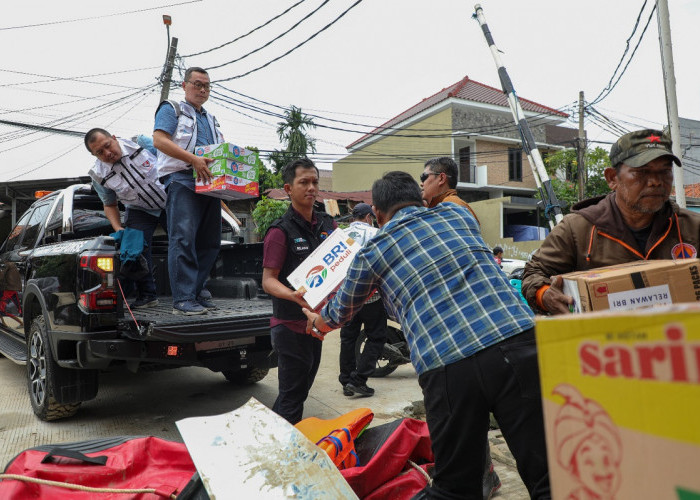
[{"x": 99, "y": 294}]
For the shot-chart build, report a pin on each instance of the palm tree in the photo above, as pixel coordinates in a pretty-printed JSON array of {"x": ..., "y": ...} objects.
[{"x": 293, "y": 134}]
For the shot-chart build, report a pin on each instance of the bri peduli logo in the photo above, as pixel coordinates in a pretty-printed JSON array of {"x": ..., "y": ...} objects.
[
  {"x": 199, "y": 151},
  {"x": 316, "y": 276},
  {"x": 236, "y": 151}
]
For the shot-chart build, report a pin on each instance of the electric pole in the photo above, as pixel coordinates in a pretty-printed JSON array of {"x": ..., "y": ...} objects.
[
  {"x": 581, "y": 150},
  {"x": 671, "y": 101},
  {"x": 169, "y": 62}
]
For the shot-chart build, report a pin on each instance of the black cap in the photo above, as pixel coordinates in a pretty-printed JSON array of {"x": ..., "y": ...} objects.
[{"x": 361, "y": 210}]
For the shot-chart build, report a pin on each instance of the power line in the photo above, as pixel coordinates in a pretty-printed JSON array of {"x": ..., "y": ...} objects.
[
  {"x": 96, "y": 17},
  {"x": 295, "y": 25},
  {"x": 293, "y": 48},
  {"x": 609, "y": 88},
  {"x": 249, "y": 33}
]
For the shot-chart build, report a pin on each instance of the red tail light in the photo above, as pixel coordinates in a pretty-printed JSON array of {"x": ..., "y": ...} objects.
[{"x": 103, "y": 296}]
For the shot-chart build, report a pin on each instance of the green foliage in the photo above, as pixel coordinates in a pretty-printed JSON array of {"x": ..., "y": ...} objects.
[
  {"x": 565, "y": 162},
  {"x": 266, "y": 212},
  {"x": 267, "y": 178},
  {"x": 293, "y": 134}
]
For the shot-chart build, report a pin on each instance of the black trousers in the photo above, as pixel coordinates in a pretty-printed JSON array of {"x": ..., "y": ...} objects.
[
  {"x": 298, "y": 358},
  {"x": 504, "y": 379},
  {"x": 138, "y": 219},
  {"x": 373, "y": 316}
]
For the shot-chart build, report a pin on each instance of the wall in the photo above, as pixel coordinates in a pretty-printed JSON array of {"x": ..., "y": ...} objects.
[
  {"x": 490, "y": 214},
  {"x": 358, "y": 170}
]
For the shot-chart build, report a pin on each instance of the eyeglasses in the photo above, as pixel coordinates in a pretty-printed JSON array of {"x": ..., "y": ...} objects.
[
  {"x": 424, "y": 175},
  {"x": 199, "y": 85}
]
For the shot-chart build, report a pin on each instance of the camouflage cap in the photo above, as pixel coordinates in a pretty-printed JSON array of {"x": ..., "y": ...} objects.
[{"x": 636, "y": 149}]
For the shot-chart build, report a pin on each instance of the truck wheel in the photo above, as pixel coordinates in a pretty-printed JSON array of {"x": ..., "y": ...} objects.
[
  {"x": 42, "y": 371},
  {"x": 246, "y": 376}
]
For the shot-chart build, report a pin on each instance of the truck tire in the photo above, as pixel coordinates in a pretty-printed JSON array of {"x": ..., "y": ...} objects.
[
  {"x": 246, "y": 376},
  {"x": 42, "y": 372}
]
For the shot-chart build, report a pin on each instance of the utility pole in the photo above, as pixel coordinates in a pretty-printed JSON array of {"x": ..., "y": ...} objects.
[
  {"x": 581, "y": 149},
  {"x": 671, "y": 101},
  {"x": 169, "y": 62}
]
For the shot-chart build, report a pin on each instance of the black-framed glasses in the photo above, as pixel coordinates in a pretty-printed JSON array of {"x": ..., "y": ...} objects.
[
  {"x": 199, "y": 85},
  {"x": 424, "y": 175}
]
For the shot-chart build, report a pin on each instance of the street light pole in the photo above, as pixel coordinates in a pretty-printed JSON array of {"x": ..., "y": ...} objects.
[{"x": 169, "y": 62}]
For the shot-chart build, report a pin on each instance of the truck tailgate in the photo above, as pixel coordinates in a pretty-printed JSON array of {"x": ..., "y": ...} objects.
[{"x": 233, "y": 318}]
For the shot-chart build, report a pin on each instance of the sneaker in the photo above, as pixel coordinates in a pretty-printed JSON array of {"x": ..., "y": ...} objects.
[
  {"x": 362, "y": 390},
  {"x": 207, "y": 303},
  {"x": 188, "y": 308},
  {"x": 144, "y": 302},
  {"x": 491, "y": 483},
  {"x": 347, "y": 392}
]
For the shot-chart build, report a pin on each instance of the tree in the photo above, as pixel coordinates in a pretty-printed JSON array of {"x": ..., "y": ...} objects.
[
  {"x": 266, "y": 212},
  {"x": 562, "y": 168},
  {"x": 293, "y": 134}
]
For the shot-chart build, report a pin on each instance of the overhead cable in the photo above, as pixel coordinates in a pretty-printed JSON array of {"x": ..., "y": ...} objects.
[{"x": 249, "y": 33}]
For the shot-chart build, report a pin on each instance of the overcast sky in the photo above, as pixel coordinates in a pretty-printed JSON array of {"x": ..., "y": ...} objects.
[{"x": 380, "y": 58}]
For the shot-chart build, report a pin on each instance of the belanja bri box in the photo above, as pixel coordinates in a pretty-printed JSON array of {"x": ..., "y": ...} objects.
[
  {"x": 621, "y": 399},
  {"x": 636, "y": 284},
  {"x": 322, "y": 272}
]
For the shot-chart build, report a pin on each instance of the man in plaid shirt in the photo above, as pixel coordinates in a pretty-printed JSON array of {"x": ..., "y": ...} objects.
[{"x": 471, "y": 338}]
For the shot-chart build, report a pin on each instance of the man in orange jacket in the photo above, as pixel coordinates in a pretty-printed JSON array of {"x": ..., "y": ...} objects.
[{"x": 637, "y": 221}]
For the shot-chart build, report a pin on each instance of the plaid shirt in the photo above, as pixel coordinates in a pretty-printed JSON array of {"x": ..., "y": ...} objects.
[{"x": 438, "y": 277}]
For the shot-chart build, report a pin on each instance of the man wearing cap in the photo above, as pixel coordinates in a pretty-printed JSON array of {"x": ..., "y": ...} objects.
[
  {"x": 354, "y": 373},
  {"x": 637, "y": 221}
]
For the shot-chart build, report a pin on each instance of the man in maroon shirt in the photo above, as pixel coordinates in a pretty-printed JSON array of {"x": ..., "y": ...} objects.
[{"x": 288, "y": 242}]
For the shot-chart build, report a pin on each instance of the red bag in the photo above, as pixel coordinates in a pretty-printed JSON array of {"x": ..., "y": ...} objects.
[
  {"x": 148, "y": 463},
  {"x": 386, "y": 450}
]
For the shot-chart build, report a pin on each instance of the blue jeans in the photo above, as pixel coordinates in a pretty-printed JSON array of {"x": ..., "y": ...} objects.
[
  {"x": 194, "y": 238},
  {"x": 145, "y": 222}
]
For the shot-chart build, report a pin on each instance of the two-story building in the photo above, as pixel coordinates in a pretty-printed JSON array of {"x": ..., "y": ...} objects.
[{"x": 472, "y": 123}]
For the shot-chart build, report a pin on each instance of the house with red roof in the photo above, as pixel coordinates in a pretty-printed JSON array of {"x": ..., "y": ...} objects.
[{"x": 472, "y": 123}]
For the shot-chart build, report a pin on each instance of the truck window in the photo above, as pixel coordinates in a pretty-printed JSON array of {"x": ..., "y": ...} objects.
[
  {"x": 12, "y": 242},
  {"x": 34, "y": 224},
  {"x": 54, "y": 226}
]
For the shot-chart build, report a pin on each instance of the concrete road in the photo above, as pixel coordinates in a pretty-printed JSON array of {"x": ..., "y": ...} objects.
[{"x": 150, "y": 403}]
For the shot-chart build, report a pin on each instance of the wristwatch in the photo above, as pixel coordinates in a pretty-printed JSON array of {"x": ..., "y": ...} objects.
[{"x": 313, "y": 327}]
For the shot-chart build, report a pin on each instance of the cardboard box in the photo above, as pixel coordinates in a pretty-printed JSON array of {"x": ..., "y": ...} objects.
[
  {"x": 229, "y": 187},
  {"x": 634, "y": 284},
  {"x": 323, "y": 271},
  {"x": 621, "y": 398},
  {"x": 227, "y": 151},
  {"x": 232, "y": 181}
]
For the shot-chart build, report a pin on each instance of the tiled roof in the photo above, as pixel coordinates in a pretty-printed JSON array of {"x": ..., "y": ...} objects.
[
  {"x": 469, "y": 90},
  {"x": 358, "y": 196}
]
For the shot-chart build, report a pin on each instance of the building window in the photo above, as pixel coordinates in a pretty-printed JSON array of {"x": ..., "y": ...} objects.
[
  {"x": 515, "y": 164},
  {"x": 466, "y": 169}
]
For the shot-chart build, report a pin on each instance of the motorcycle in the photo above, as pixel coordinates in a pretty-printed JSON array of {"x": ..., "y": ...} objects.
[{"x": 394, "y": 354}]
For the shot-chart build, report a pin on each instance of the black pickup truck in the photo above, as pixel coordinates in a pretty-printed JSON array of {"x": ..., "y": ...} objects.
[{"x": 63, "y": 315}]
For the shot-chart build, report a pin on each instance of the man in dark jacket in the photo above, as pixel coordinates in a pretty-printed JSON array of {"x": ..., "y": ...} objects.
[
  {"x": 637, "y": 221},
  {"x": 288, "y": 242}
]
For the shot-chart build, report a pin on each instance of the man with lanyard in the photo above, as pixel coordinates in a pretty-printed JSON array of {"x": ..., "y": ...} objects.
[
  {"x": 194, "y": 220},
  {"x": 126, "y": 172},
  {"x": 471, "y": 339},
  {"x": 637, "y": 221},
  {"x": 287, "y": 243},
  {"x": 353, "y": 373}
]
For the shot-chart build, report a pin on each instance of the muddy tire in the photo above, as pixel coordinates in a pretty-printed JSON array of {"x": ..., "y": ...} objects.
[
  {"x": 42, "y": 374},
  {"x": 246, "y": 376}
]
